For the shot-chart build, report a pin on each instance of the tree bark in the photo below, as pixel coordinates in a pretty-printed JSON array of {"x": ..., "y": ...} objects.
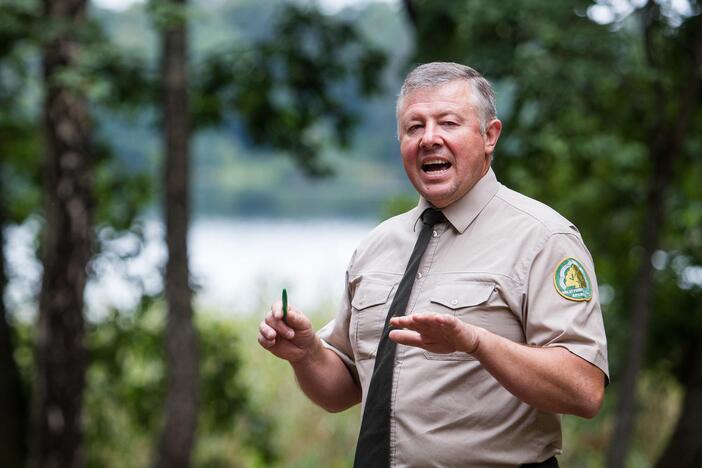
[
  {"x": 685, "y": 447},
  {"x": 13, "y": 402},
  {"x": 411, "y": 12},
  {"x": 60, "y": 348},
  {"x": 641, "y": 310},
  {"x": 664, "y": 151},
  {"x": 180, "y": 416}
]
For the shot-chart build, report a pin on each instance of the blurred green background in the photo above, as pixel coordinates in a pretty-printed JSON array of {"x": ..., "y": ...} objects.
[{"x": 291, "y": 131}]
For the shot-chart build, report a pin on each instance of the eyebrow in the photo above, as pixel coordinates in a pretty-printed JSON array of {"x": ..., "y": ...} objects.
[{"x": 414, "y": 116}]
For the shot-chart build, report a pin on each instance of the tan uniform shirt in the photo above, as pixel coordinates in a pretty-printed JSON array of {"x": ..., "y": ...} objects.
[{"x": 501, "y": 263}]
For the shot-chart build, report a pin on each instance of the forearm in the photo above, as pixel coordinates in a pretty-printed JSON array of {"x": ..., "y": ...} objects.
[
  {"x": 550, "y": 379},
  {"x": 326, "y": 380}
]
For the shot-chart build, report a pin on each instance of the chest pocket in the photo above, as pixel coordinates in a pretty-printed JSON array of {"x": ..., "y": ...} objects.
[
  {"x": 370, "y": 307},
  {"x": 461, "y": 299}
]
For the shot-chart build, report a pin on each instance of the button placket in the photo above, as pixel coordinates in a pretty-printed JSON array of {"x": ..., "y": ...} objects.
[{"x": 425, "y": 266}]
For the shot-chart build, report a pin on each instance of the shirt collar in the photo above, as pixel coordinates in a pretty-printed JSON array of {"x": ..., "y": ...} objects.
[{"x": 463, "y": 211}]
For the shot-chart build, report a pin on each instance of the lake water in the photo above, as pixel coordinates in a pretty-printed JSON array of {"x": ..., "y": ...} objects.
[{"x": 238, "y": 265}]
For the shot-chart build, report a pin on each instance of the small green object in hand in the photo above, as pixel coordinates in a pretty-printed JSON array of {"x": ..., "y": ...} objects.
[{"x": 285, "y": 304}]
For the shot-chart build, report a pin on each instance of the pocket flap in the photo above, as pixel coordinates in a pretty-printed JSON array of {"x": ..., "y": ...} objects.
[
  {"x": 459, "y": 295},
  {"x": 371, "y": 294}
]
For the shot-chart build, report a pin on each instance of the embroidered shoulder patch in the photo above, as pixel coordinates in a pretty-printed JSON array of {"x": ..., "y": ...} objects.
[{"x": 571, "y": 280}]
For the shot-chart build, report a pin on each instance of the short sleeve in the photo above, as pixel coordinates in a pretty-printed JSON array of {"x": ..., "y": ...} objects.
[
  {"x": 335, "y": 334},
  {"x": 562, "y": 306}
]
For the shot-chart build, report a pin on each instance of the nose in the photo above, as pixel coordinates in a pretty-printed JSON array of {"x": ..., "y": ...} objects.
[{"x": 431, "y": 137}]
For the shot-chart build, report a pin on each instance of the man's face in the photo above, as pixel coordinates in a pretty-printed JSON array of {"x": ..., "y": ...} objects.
[{"x": 443, "y": 151}]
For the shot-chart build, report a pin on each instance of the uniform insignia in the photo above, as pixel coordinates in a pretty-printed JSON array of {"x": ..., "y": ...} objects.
[{"x": 571, "y": 280}]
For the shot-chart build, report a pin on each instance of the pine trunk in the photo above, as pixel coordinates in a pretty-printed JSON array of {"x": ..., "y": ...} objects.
[
  {"x": 684, "y": 449},
  {"x": 640, "y": 315},
  {"x": 180, "y": 415},
  {"x": 60, "y": 347}
]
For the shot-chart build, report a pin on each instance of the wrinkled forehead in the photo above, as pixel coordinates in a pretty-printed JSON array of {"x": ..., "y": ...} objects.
[{"x": 454, "y": 96}]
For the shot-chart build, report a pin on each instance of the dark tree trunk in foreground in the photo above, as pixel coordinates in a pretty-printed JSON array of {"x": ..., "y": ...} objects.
[
  {"x": 60, "y": 353},
  {"x": 685, "y": 447},
  {"x": 664, "y": 151},
  {"x": 180, "y": 415},
  {"x": 13, "y": 403}
]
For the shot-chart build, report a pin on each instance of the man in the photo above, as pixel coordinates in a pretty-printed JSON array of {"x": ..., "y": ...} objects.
[{"x": 499, "y": 329}]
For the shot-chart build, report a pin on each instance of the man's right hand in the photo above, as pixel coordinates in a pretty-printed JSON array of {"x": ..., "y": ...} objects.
[
  {"x": 292, "y": 339},
  {"x": 321, "y": 374}
]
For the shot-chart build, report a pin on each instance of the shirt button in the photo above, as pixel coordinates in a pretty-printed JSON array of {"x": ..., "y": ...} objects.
[
  {"x": 454, "y": 302},
  {"x": 419, "y": 275},
  {"x": 434, "y": 234}
]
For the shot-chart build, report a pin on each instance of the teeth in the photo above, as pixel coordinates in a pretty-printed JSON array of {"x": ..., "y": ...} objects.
[{"x": 435, "y": 165}]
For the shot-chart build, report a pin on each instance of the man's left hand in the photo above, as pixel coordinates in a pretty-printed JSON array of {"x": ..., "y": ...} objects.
[{"x": 437, "y": 333}]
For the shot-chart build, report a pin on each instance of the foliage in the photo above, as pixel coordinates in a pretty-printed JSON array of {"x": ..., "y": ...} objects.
[
  {"x": 252, "y": 413},
  {"x": 19, "y": 132},
  {"x": 126, "y": 381},
  {"x": 287, "y": 91}
]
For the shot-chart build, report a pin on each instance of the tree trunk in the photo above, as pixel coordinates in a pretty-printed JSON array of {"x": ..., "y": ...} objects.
[
  {"x": 664, "y": 152},
  {"x": 13, "y": 402},
  {"x": 642, "y": 296},
  {"x": 60, "y": 348},
  {"x": 411, "y": 12},
  {"x": 685, "y": 447},
  {"x": 180, "y": 415}
]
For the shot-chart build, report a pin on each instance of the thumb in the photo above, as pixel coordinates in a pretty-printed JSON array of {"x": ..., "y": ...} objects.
[{"x": 297, "y": 320}]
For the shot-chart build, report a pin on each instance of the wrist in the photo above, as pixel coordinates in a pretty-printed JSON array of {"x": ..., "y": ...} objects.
[
  {"x": 474, "y": 345},
  {"x": 310, "y": 355}
]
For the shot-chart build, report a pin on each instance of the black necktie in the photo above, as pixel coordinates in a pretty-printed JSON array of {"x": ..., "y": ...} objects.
[{"x": 373, "y": 449}]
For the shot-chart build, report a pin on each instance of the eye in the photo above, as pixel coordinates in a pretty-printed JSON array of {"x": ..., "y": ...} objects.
[
  {"x": 449, "y": 123},
  {"x": 413, "y": 128}
]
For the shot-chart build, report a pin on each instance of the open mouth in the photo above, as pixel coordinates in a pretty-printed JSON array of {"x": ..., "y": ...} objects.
[{"x": 435, "y": 166}]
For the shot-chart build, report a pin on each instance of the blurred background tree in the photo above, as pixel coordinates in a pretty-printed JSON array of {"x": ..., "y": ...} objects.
[
  {"x": 600, "y": 101},
  {"x": 182, "y": 396},
  {"x": 61, "y": 357}
]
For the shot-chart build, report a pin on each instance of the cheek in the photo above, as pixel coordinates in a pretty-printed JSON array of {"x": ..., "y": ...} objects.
[{"x": 409, "y": 157}]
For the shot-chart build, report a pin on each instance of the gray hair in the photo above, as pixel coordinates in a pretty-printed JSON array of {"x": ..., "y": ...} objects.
[{"x": 435, "y": 74}]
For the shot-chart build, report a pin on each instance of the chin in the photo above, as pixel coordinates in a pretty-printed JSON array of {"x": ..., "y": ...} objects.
[
  {"x": 439, "y": 202},
  {"x": 438, "y": 198}
]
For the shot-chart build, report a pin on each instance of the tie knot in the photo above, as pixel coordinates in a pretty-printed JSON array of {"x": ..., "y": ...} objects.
[{"x": 432, "y": 216}]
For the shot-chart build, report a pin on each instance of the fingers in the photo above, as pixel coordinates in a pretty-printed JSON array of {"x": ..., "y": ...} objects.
[
  {"x": 277, "y": 310},
  {"x": 266, "y": 335},
  {"x": 265, "y": 342},
  {"x": 297, "y": 320},
  {"x": 294, "y": 320},
  {"x": 406, "y": 337},
  {"x": 277, "y": 324},
  {"x": 438, "y": 331},
  {"x": 275, "y": 328},
  {"x": 419, "y": 322}
]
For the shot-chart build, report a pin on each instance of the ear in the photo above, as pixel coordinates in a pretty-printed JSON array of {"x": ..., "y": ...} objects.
[{"x": 492, "y": 134}]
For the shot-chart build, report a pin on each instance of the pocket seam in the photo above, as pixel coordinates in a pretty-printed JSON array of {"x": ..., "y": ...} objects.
[
  {"x": 455, "y": 297},
  {"x": 381, "y": 292},
  {"x": 378, "y": 295}
]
